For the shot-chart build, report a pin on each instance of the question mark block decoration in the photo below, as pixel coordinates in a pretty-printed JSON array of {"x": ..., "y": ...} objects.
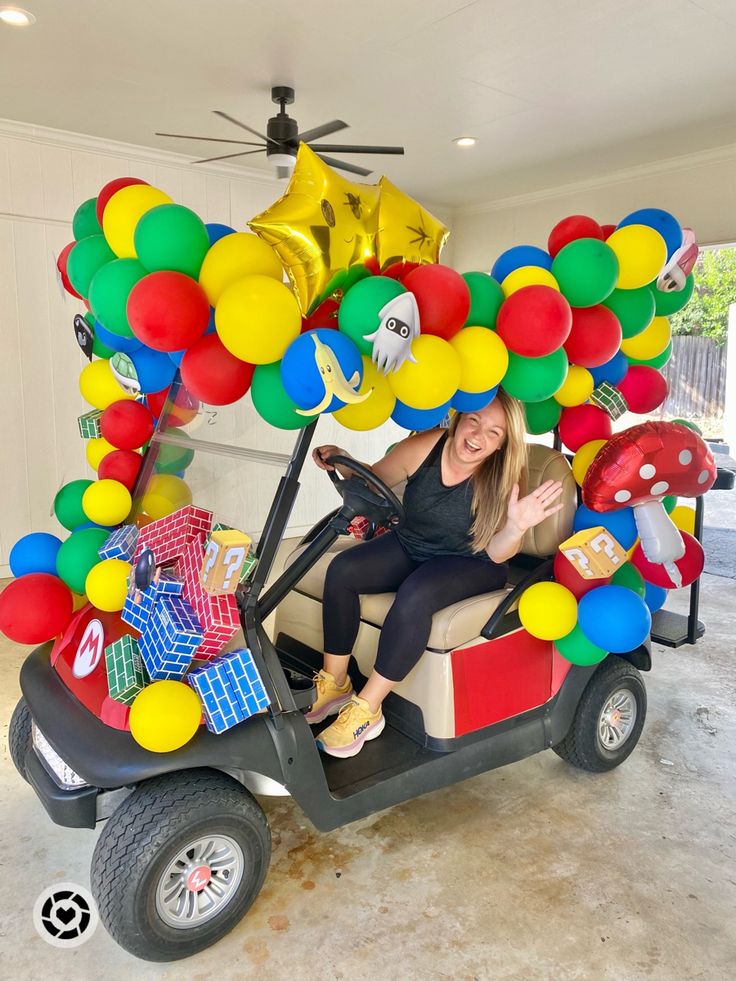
[
  {"x": 223, "y": 561},
  {"x": 594, "y": 553}
]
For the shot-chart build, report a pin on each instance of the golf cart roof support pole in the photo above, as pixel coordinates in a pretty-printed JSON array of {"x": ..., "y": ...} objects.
[{"x": 692, "y": 619}]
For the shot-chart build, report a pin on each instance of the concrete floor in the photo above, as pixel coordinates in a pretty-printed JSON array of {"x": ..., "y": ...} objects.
[{"x": 533, "y": 871}]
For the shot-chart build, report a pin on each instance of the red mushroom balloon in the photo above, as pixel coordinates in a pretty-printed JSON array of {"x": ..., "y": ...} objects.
[{"x": 689, "y": 566}]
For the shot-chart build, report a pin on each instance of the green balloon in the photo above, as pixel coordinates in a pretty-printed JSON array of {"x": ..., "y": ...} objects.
[
  {"x": 535, "y": 379},
  {"x": 171, "y": 237},
  {"x": 669, "y": 503},
  {"x": 486, "y": 297},
  {"x": 669, "y": 303},
  {"x": 576, "y": 647},
  {"x": 173, "y": 459},
  {"x": 109, "y": 292},
  {"x": 358, "y": 313},
  {"x": 271, "y": 401},
  {"x": 86, "y": 258},
  {"x": 68, "y": 504},
  {"x": 78, "y": 554},
  {"x": 629, "y": 577},
  {"x": 84, "y": 222},
  {"x": 542, "y": 416},
  {"x": 634, "y": 309},
  {"x": 586, "y": 271},
  {"x": 689, "y": 425},
  {"x": 657, "y": 362}
]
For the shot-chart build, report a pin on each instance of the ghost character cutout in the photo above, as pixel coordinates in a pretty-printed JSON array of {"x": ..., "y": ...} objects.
[{"x": 399, "y": 326}]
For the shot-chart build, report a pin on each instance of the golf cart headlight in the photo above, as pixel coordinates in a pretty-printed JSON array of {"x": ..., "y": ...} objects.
[{"x": 61, "y": 772}]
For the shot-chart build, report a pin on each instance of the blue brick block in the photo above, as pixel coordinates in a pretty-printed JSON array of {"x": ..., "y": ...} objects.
[
  {"x": 230, "y": 690},
  {"x": 167, "y": 585},
  {"x": 138, "y": 607},
  {"x": 170, "y": 638},
  {"x": 120, "y": 544}
]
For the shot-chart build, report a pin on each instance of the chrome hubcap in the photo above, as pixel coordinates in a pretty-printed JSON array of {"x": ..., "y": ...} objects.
[
  {"x": 199, "y": 881},
  {"x": 617, "y": 718}
]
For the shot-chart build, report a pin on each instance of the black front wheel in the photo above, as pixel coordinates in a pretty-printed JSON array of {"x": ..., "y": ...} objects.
[
  {"x": 179, "y": 864},
  {"x": 608, "y": 720},
  {"x": 19, "y": 736}
]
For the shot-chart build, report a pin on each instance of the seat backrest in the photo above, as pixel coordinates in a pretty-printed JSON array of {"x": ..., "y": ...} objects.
[{"x": 545, "y": 463}]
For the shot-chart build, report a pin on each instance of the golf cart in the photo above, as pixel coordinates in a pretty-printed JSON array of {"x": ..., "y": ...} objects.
[{"x": 186, "y": 845}]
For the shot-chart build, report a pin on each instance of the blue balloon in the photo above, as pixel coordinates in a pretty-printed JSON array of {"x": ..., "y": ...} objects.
[
  {"x": 114, "y": 341},
  {"x": 612, "y": 371},
  {"x": 216, "y": 232},
  {"x": 621, "y": 523},
  {"x": 301, "y": 377},
  {"x": 654, "y": 596},
  {"x": 661, "y": 221},
  {"x": 518, "y": 256},
  {"x": 472, "y": 401},
  {"x": 614, "y": 618},
  {"x": 155, "y": 369},
  {"x": 418, "y": 419},
  {"x": 34, "y": 553}
]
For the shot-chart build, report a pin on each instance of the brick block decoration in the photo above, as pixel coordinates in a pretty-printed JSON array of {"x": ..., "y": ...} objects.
[
  {"x": 166, "y": 584},
  {"x": 218, "y": 615},
  {"x": 120, "y": 544},
  {"x": 126, "y": 676},
  {"x": 230, "y": 690},
  {"x": 169, "y": 639},
  {"x": 138, "y": 607},
  {"x": 89, "y": 424},
  {"x": 168, "y": 537}
]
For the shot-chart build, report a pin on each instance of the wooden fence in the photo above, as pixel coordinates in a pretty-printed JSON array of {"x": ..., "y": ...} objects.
[{"x": 696, "y": 375}]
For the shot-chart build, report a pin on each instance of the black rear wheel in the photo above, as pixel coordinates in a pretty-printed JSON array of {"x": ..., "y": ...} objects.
[
  {"x": 608, "y": 720},
  {"x": 19, "y": 736}
]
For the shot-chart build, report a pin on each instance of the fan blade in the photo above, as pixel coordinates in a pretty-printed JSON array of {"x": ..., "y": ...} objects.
[
  {"x": 229, "y": 156},
  {"x": 341, "y": 165},
  {"x": 324, "y": 130},
  {"x": 236, "y": 122},
  {"x": 208, "y": 139},
  {"x": 337, "y": 148}
]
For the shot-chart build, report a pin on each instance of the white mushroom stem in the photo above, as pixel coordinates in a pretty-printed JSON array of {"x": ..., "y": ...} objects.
[{"x": 661, "y": 542}]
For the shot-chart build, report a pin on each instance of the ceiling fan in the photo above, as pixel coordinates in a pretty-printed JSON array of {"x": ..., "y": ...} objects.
[{"x": 282, "y": 138}]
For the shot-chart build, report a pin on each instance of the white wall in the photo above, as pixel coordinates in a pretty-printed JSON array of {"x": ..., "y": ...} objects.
[{"x": 44, "y": 176}]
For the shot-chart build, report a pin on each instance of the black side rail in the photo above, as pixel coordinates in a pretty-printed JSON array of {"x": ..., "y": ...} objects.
[{"x": 501, "y": 621}]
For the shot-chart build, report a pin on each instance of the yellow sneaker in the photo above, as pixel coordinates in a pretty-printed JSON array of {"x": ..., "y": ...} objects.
[
  {"x": 330, "y": 697},
  {"x": 354, "y": 725}
]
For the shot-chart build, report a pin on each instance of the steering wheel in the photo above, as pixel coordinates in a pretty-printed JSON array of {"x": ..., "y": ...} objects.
[{"x": 365, "y": 475}]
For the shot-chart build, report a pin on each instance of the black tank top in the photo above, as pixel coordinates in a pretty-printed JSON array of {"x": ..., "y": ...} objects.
[{"x": 438, "y": 518}]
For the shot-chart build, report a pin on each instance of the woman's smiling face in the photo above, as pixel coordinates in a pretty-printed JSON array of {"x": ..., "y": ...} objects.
[{"x": 479, "y": 434}]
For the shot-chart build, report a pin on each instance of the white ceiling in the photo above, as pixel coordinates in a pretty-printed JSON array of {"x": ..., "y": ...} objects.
[{"x": 555, "y": 90}]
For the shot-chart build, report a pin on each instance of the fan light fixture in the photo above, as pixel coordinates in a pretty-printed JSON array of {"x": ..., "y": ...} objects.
[
  {"x": 15, "y": 17},
  {"x": 465, "y": 141}
]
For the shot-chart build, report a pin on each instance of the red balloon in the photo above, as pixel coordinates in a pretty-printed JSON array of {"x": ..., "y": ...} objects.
[
  {"x": 127, "y": 424},
  {"x": 35, "y": 608},
  {"x": 371, "y": 264},
  {"x": 567, "y": 575},
  {"x": 324, "y": 316},
  {"x": 643, "y": 387},
  {"x": 168, "y": 311},
  {"x": 595, "y": 336},
  {"x": 579, "y": 424},
  {"x": 534, "y": 321},
  {"x": 213, "y": 374},
  {"x": 112, "y": 187},
  {"x": 121, "y": 465},
  {"x": 443, "y": 299},
  {"x": 608, "y": 230},
  {"x": 400, "y": 270},
  {"x": 690, "y": 565},
  {"x": 61, "y": 266},
  {"x": 571, "y": 228},
  {"x": 184, "y": 409}
]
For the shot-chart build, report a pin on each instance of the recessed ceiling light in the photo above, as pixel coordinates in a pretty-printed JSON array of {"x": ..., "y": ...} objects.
[
  {"x": 16, "y": 17},
  {"x": 465, "y": 141}
]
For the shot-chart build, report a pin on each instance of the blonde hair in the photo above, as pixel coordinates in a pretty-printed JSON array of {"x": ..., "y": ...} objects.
[{"x": 497, "y": 474}]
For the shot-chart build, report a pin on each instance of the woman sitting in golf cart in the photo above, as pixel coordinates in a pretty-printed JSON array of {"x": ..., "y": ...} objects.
[{"x": 464, "y": 520}]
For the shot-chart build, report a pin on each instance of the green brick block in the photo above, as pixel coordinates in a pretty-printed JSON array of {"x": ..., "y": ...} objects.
[
  {"x": 89, "y": 424},
  {"x": 126, "y": 676}
]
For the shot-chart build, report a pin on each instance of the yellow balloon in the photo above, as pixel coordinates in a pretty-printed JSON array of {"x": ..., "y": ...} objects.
[
  {"x": 548, "y": 610},
  {"x": 231, "y": 258},
  {"x": 165, "y": 716},
  {"x": 99, "y": 386},
  {"x": 484, "y": 358},
  {"x": 107, "y": 502},
  {"x": 123, "y": 212},
  {"x": 323, "y": 224},
  {"x": 377, "y": 409},
  {"x": 435, "y": 377},
  {"x": 576, "y": 388},
  {"x": 106, "y": 584},
  {"x": 584, "y": 457},
  {"x": 641, "y": 252},
  {"x": 528, "y": 276},
  {"x": 257, "y": 318},
  {"x": 407, "y": 232},
  {"x": 684, "y": 518},
  {"x": 96, "y": 450},
  {"x": 651, "y": 342},
  {"x": 165, "y": 494}
]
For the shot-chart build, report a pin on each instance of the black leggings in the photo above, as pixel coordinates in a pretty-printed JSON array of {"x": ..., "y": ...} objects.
[{"x": 422, "y": 588}]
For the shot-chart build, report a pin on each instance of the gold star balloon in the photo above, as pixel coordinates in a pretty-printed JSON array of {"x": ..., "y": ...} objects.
[
  {"x": 407, "y": 232},
  {"x": 323, "y": 225}
]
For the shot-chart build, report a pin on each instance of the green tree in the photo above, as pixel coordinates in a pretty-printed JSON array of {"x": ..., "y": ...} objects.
[{"x": 706, "y": 314}]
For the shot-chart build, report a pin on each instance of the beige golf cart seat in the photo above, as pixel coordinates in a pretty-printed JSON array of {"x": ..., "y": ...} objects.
[{"x": 429, "y": 685}]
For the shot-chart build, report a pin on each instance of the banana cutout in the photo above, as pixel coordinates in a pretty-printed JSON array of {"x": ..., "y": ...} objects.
[
  {"x": 399, "y": 326},
  {"x": 333, "y": 378}
]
